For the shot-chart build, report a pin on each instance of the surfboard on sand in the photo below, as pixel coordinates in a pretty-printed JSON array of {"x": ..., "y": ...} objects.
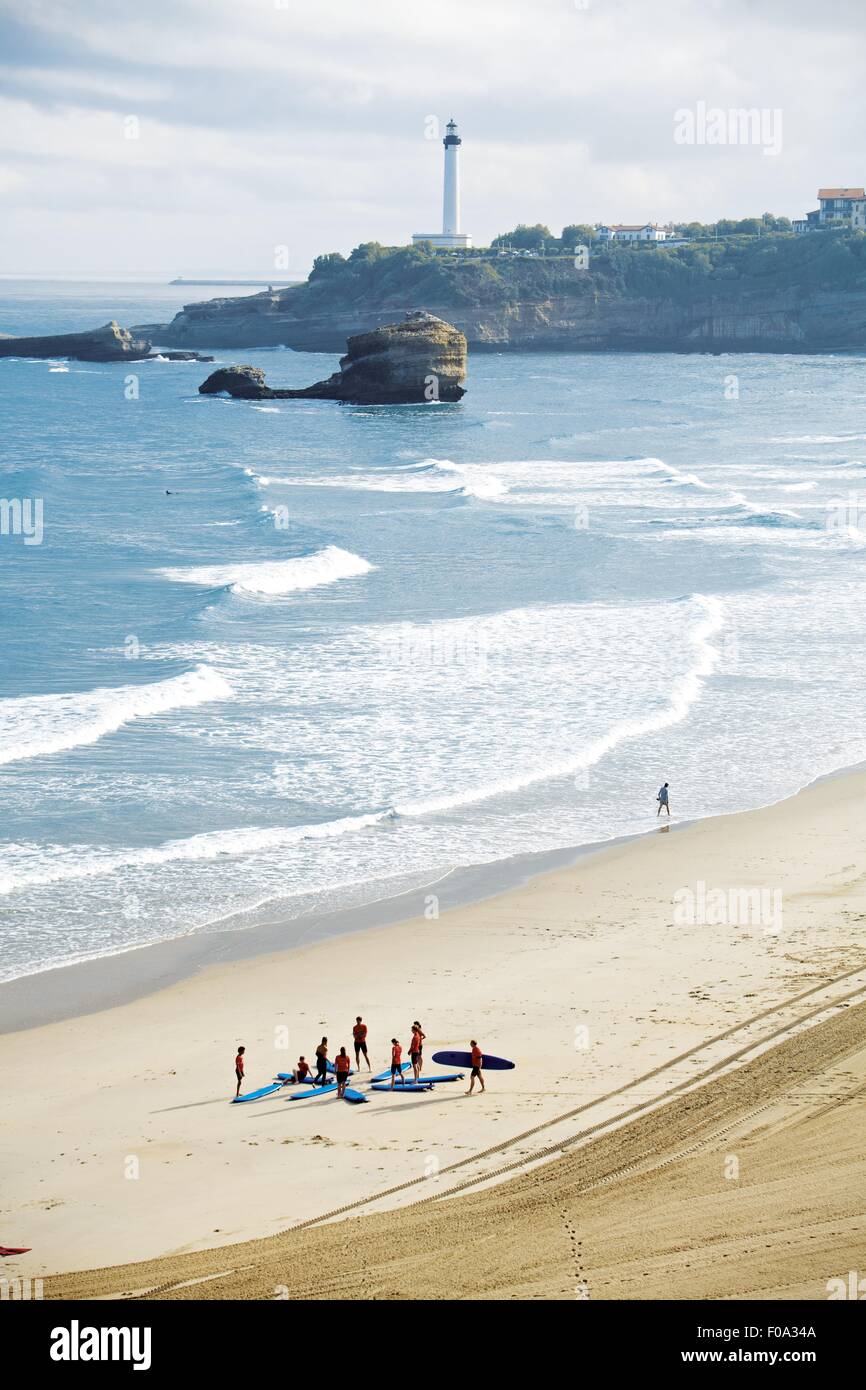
[
  {"x": 329, "y": 1090},
  {"x": 409, "y": 1088},
  {"x": 386, "y": 1074},
  {"x": 354, "y": 1097},
  {"x": 464, "y": 1059},
  {"x": 262, "y": 1091}
]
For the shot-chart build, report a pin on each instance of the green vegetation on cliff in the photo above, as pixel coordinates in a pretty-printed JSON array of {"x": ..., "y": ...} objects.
[{"x": 379, "y": 277}]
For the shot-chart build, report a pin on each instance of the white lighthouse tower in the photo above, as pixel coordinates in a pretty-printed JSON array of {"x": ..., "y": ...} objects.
[{"x": 451, "y": 236}]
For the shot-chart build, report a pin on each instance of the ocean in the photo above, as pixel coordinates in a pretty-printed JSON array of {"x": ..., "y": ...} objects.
[{"x": 288, "y": 657}]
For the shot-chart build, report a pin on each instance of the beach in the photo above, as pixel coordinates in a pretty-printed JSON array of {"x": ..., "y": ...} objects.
[{"x": 623, "y": 986}]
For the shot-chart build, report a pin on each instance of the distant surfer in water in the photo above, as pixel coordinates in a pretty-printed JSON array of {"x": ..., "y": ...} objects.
[
  {"x": 359, "y": 1033},
  {"x": 321, "y": 1063},
  {"x": 662, "y": 800},
  {"x": 416, "y": 1048},
  {"x": 341, "y": 1066},
  {"x": 239, "y": 1069},
  {"x": 396, "y": 1062},
  {"x": 477, "y": 1062}
]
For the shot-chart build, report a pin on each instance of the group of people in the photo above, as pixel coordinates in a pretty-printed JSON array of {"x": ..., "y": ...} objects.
[{"x": 342, "y": 1064}]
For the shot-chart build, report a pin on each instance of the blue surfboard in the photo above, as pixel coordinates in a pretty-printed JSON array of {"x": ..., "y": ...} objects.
[
  {"x": 355, "y": 1097},
  {"x": 398, "y": 1090},
  {"x": 431, "y": 1078},
  {"x": 333, "y": 1070},
  {"x": 386, "y": 1074},
  {"x": 464, "y": 1059},
  {"x": 257, "y": 1095},
  {"x": 329, "y": 1090}
]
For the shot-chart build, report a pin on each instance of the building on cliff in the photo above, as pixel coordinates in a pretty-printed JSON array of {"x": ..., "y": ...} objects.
[
  {"x": 451, "y": 237},
  {"x": 839, "y": 208},
  {"x": 621, "y": 231}
]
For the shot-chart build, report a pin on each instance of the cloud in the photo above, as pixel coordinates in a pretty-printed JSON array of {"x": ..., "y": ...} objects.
[{"x": 310, "y": 119}]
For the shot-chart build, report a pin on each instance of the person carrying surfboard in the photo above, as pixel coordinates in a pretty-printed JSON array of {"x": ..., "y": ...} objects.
[
  {"x": 321, "y": 1077},
  {"x": 239, "y": 1069},
  {"x": 416, "y": 1048},
  {"x": 477, "y": 1064},
  {"x": 341, "y": 1066},
  {"x": 396, "y": 1062},
  {"x": 359, "y": 1033}
]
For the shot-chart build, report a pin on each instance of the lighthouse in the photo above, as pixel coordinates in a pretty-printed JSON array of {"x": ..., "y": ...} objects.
[{"x": 451, "y": 237}]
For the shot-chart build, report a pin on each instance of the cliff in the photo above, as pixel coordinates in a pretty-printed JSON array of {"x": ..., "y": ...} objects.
[
  {"x": 420, "y": 360},
  {"x": 775, "y": 294}
]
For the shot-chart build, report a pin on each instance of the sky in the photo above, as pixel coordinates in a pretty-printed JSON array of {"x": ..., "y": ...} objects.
[{"x": 215, "y": 137}]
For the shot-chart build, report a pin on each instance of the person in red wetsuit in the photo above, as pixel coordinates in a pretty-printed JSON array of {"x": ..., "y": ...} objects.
[
  {"x": 341, "y": 1066},
  {"x": 396, "y": 1062},
  {"x": 477, "y": 1063},
  {"x": 239, "y": 1069},
  {"x": 359, "y": 1033},
  {"x": 415, "y": 1049},
  {"x": 301, "y": 1071}
]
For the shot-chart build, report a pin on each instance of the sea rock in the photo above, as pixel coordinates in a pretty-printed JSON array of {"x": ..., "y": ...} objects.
[
  {"x": 244, "y": 383},
  {"x": 111, "y": 343},
  {"x": 422, "y": 359}
]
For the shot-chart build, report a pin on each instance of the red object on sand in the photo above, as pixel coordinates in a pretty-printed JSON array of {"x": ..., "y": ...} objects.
[{"x": 14, "y": 1249}]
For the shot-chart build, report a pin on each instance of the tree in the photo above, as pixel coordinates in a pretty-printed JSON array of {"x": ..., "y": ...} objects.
[
  {"x": 328, "y": 264},
  {"x": 368, "y": 251},
  {"x": 576, "y": 234},
  {"x": 525, "y": 238}
]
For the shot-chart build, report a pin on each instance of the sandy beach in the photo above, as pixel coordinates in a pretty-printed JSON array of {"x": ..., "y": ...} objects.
[{"x": 647, "y": 1019}]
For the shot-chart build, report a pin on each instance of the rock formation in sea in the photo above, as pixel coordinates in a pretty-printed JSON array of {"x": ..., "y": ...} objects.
[
  {"x": 111, "y": 343},
  {"x": 420, "y": 360}
]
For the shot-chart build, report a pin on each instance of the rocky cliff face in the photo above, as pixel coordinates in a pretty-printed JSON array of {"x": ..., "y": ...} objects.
[
  {"x": 420, "y": 360},
  {"x": 792, "y": 320},
  {"x": 111, "y": 343}
]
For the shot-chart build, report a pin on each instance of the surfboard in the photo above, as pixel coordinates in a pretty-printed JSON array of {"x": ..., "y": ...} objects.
[
  {"x": 430, "y": 1078},
  {"x": 464, "y": 1059},
  {"x": 288, "y": 1076},
  {"x": 399, "y": 1090},
  {"x": 329, "y": 1090},
  {"x": 356, "y": 1097},
  {"x": 386, "y": 1074},
  {"x": 262, "y": 1091}
]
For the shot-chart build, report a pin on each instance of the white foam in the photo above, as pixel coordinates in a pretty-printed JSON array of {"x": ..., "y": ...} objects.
[
  {"x": 83, "y": 862},
  {"x": 34, "y": 726},
  {"x": 270, "y": 577},
  {"x": 683, "y": 696}
]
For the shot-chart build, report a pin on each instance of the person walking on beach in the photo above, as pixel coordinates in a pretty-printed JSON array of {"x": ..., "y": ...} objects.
[
  {"x": 396, "y": 1062},
  {"x": 416, "y": 1047},
  {"x": 239, "y": 1069},
  {"x": 662, "y": 800},
  {"x": 341, "y": 1066},
  {"x": 359, "y": 1033},
  {"x": 477, "y": 1063},
  {"x": 322, "y": 1063}
]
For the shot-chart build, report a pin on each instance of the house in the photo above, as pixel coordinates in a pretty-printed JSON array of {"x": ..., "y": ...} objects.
[
  {"x": 648, "y": 231},
  {"x": 842, "y": 207}
]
